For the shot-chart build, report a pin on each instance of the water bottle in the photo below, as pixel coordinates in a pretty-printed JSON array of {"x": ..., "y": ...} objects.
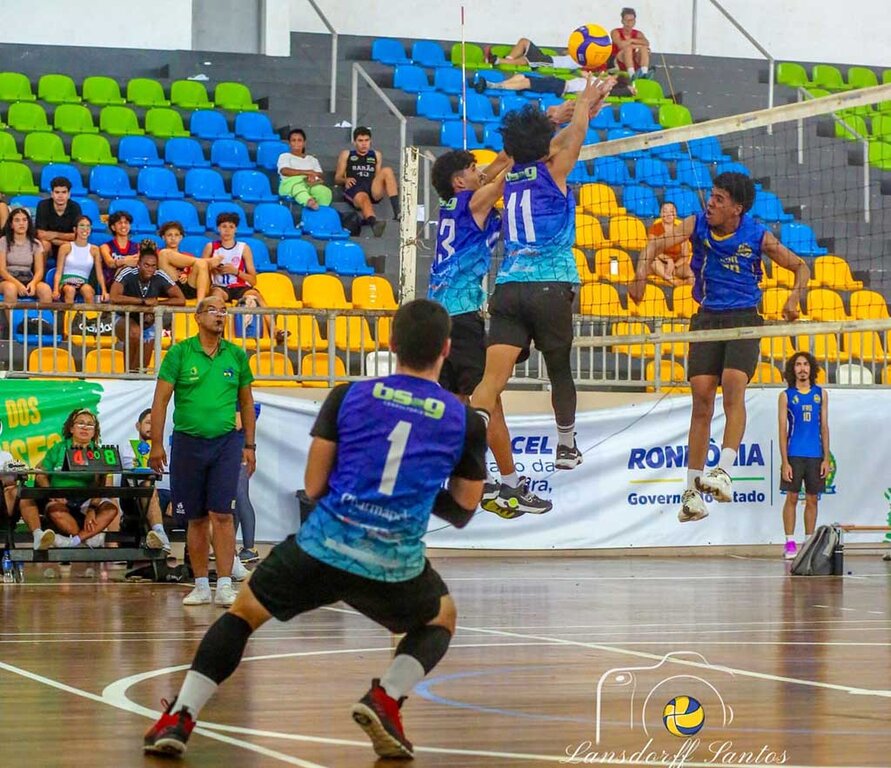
[
  {"x": 19, "y": 573},
  {"x": 8, "y": 577}
]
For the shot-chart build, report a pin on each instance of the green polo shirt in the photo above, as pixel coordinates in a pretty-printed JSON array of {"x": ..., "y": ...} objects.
[
  {"x": 205, "y": 389},
  {"x": 55, "y": 459}
]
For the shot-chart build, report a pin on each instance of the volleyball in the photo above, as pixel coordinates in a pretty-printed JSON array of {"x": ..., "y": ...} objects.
[
  {"x": 683, "y": 716},
  {"x": 590, "y": 45}
]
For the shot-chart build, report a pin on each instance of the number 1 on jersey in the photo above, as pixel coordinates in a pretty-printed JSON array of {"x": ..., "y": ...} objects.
[
  {"x": 398, "y": 440},
  {"x": 526, "y": 210}
]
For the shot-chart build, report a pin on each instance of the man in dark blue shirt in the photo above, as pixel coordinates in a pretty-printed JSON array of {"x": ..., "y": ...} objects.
[{"x": 381, "y": 452}]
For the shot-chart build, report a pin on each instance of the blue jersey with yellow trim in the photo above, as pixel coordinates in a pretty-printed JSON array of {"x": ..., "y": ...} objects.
[
  {"x": 727, "y": 268},
  {"x": 804, "y": 413},
  {"x": 538, "y": 228},
  {"x": 463, "y": 252}
]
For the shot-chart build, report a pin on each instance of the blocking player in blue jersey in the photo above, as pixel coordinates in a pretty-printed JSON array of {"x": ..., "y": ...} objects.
[
  {"x": 536, "y": 282},
  {"x": 727, "y": 248},
  {"x": 804, "y": 444},
  {"x": 382, "y": 452},
  {"x": 469, "y": 227}
]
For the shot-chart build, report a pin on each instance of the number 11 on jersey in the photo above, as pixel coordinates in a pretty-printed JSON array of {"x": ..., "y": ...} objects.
[{"x": 526, "y": 211}]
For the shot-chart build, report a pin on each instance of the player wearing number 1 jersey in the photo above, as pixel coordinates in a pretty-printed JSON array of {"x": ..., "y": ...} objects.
[{"x": 382, "y": 450}]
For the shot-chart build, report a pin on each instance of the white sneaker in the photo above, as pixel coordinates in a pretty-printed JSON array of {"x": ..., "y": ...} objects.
[
  {"x": 97, "y": 541},
  {"x": 225, "y": 595},
  {"x": 692, "y": 507},
  {"x": 157, "y": 540},
  {"x": 717, "y": 483},
  {"x": 62, "y": 542},
  {"x": 239, "y": 572},
  {"x": 44, "y": 539},
  {"x": 199, "y": 596}
]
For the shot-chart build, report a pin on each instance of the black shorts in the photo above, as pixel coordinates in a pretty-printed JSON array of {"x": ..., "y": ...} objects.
[
  {"x": 463, "y": 368},
  {"x": 710, "y": 358},
  {"x": 204, "y": 473},
  {"x": 806, "y": 469},
  {"x": 189, "y": 291},
  {"x": 534, "y": 55},
  {"x": 539, "y": 312},
  {"x": 547, "y": 84},
  {"x": 235, "y": 292},
  {"x": 360, "y": 186},
  {"x": 290, "y": 582}
]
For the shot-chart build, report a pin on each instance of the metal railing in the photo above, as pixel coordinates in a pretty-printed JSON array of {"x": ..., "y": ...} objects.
[
  {"x": 333, "y": 97},
  {"x": 359, "y": 70}
]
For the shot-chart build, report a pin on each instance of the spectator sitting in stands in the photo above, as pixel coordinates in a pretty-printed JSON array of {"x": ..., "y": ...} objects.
[
  {"x": 56, "y": 216},
  {"x": 301, "y": 174},
  {"x": 631, "y": 49},
  {"x": 546, "y": 84},
  {"x": 674, "y": 264},
  {"x": 528, "y": 54},
  {"x": 365, "y": 179},
  {"x": 77, "y": 262},
  {"x": 143, "y": 286},
  {"x": 191, "y": 273},
  {"x": 120, "y": 251},
  {"x": 42, "y": 539},
  {"x": 80, "y": 519},
  {"x": 4, "y": 211},
  {"x": 22, "y": 260}
]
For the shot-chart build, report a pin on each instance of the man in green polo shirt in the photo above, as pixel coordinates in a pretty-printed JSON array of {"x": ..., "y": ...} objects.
[{"x": 207, "y": 377}]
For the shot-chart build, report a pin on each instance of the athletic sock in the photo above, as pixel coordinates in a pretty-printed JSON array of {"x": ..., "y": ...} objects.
[
  {"x": 202, "y": 582},
  {"x": 224, "y": 581},
  {"x": 512, "y": 480},
  {"x": 394, "y": 201},
  {"x": 692, "y": 474},
  {"x": 158, "y": 528},
  {"x": 197, "y": 690},
  {"x": 644, "y": 70},
  {"x": 728, "y": 456},
  {"x": 790, "y": 538},
  {"x": 75, "y": 541},
  {"x": 417, "y": 653},
  {"x": 566, "y": 436},
  {"x": 403, "y": 674},
  {"x": 631, "y": 72}
]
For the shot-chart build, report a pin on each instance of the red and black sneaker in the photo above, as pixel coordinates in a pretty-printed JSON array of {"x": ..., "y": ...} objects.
[
  {"x": 378, "y": 715},
  {"x": 171, "y": 733}
]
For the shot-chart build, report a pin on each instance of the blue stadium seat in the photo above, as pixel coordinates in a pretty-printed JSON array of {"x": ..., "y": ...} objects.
[
  {"x": 43, "y": 336},
  {"x": 323, "y": 224},
  {"x": 110, "y": 181},
  {"x": 25, "y": 201},
  {"x": 208, "y": 124},
  {"x": 268, "y": 152},
  {"x": 298, "y": 257},
  {"x": 138, "y": 152},
  {"x": 410, "y": 79},
  {"x": 640, "y": 200},
  {"x": 693, "y": 173},
  {"x": 448, "y": 80},
  {"x": 549, "y": 100},
  {"x": 491, "y": 76},
  {"x": 479, "y": 109},
  {"x": 581, "y": 174},
  {"x": 611, "y": 170},
  {"x": 427, "y": 53},
  {"x": 215, "y": 209},
  {"x": 252, "y": 187},
  {"x": 205, "y": 184},
  {"x": 672, "y": 151},
  {"x": 183, "y": 212},
  {"x": 799, "y": 238},
  {"x": 768, "y": 207},
  {"x": 624, "y": 133},
  {"x": 194, "y": 244},
  {"x": 638, "y": 117},
  {"x": 346, "y": 258},
  {"x": 492, "y": 137},
  {"x": 88, "y": 208},
  {"x": 452, "y": 135},
  {"x": 707, "y": 149},
  {"x": 158, "y": 184},
  {"x": 262, "y": 260},
  {"x": 254, "y": 126},
  {"x": 605, "y": 119},
  {"x": 185, "y": 153},
  {"x": 142, "y": 221},
  {"x": 732, "y": 167},
  {"x": 435, "y": 106},
  {"x": 274, "y": 220},
  {"x": 652, "y": 171},
  {"x": 685, "y": 200},
  {"x": 388, "y": 51},
  {"x": 592, "y": 136},
  {"x": 71, "y": 173},
  {"x": 231, "y": 155},
  {"x": 511, "y": 101}
]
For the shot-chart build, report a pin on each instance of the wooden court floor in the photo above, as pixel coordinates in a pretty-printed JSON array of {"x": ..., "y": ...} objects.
[{"x": 551, "y": 653}]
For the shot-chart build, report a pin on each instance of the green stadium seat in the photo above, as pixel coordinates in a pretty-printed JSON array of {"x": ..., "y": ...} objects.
[
  {"x": 26, "y": 117},
  {"x": 886, "y": 76},
  {"x": 92, "y": 150},
  {"x": 650, "y": 92},
  {"x": 45, "y": 148},
  {"x": 829, "y": 77},
  {"x": 674, "y": 115},
  {"x": 16, "y": 179},
  {"x": 15, "y": 87},
  {"x": 57, "y": 89},
  {"x": 235, "y": 97},
  {"x": 102, "y": 91},
  {"x": 74, "y": 118},
  {"x": 881, "y": 127},
  {"x": 818, "y": 93},
  {"x": 880, "y": 155},
  {"x": 475, "y": 58},
  {"x": 189, "y": 94},
  {"x": 856, "y": 123},
  {"x": 119, "y": 121},
  {"x": 791, "y": 74},
  {"x": 164, "y": 123},
  {"x": 144, "y": 92},
  {"x": 8, "y": 148},
  {"x": 862, "y": 77}
]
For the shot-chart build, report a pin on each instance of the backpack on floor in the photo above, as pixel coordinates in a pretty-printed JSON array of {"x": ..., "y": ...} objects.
[{"x": 816, "y": 557}]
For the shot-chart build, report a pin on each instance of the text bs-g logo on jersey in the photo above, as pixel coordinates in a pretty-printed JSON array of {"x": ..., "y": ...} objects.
[{"x": 429, "y": 405}]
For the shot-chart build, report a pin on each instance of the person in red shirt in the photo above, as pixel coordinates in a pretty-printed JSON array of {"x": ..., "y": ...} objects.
[
  {"x": 673, "y": 264},
  {"x": 631, "y": 49}
]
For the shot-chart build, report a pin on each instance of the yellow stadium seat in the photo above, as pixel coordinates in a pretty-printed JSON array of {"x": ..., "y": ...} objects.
[
  {"x": 51, "y": 360},
  {"x": 599, "y": 200},
  {"x": 272, "y": 364},
  {"x": 781, "y": 277},
  {"x": 772, "y": 302},
  {"x": 105, "y": 361},
  {"x": 777, "y": 348},
  {"x": 373, "y": 292},
  {"x": 886, "y": 374},
  {"x": 824, "y": 348},
  {"x": 623, "y": 328},
  {"x": 653, "y": 303},
  {"x": 865, "y": 346},
  {"x": 675, "y": 349},
  {"x": 825, "y": 305},
  {"x": 834, "y": 272},
  {"x": 317, "y": 365},
  {"x": 868, "y": 305},
  {"x": 581, "y": 263},
  {"x": 672, "y": 376},
  {"x": 613, "y": 265},
  {"x": 601, "y": 300},
  {"x": 588, "y": 232},
  {"x": 484, "y": 157},
  {"x": 766, "y": 373},
  {"x": 353, "y": 334},
  {"x": 184, "y": 326},
  {"x": 381, "y": 327},
  {"x": 76, "y": 339},
  {"x": 301, "y": 332},
  {"x": 682, "y": 302},
  {"x": 277, "y": 289},
  {"x": 324, "y": 292},
  {"x": 627, "y": 232}
]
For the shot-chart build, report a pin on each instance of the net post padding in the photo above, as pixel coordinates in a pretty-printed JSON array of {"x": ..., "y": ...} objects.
[{"x": 408, "y": 225}]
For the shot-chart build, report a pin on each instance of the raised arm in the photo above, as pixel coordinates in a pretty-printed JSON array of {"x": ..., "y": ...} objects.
[
  {"x": 780, "y": 255},
  {"x": 654, "y": 247}
]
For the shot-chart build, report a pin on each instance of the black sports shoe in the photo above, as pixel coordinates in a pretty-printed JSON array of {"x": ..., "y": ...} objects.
[
  {"x": 377, "y": 714},
  {"x": 480, "y": 84},
  {"x": 521, "y": 500},
  {"x": 489, "y": 502},
  {"x": 568, "y": 458},
  {"x": 170, "y": 734}
]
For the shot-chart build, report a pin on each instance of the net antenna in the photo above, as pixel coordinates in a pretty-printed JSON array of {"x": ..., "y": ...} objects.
[{"x": 463, "y": 83}]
